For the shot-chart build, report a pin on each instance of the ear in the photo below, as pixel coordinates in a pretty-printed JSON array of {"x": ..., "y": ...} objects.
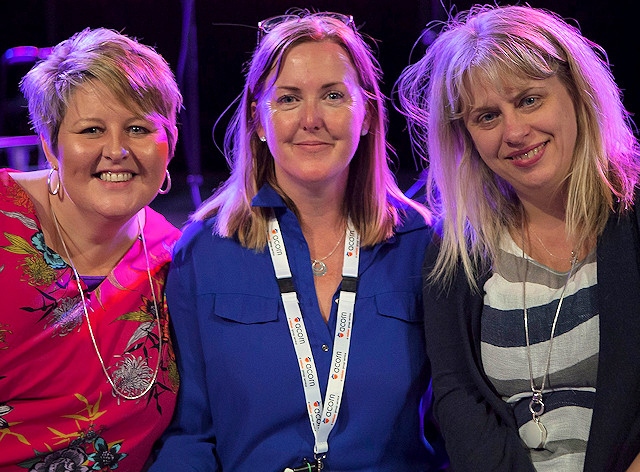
[
  {"x": 175, "y": 145},
  {"x": 48, "y": 153},
  {"x": 256, "y": 117},
  {"x": 366, "y": 123}
]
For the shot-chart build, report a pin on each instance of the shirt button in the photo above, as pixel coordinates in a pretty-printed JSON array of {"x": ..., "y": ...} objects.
[{"x": 325, "y": 348}]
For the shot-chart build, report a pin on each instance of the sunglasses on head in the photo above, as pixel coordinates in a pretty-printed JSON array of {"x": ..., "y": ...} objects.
[{"x": 266, "y": 26}]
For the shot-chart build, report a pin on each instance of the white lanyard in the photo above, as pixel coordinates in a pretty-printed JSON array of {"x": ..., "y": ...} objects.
[{"x": 322, "y": 415}]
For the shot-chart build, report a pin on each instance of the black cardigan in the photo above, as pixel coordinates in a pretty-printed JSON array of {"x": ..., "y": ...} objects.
[{"x": 479, "y": 428}]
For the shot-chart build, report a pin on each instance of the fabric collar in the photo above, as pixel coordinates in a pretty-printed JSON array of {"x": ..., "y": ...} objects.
[{"x": 268, "y": 197}]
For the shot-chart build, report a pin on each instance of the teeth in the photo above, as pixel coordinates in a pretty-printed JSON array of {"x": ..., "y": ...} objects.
[
  {"x": 116, "y": 176},
  {"x": 531, "y": 153}
]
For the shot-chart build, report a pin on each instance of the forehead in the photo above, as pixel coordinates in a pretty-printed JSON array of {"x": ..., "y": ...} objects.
[
  {"x": 478, "y": 85},
  {"x": 315, "y": 61},
  {"x": 94, "y": 96}
]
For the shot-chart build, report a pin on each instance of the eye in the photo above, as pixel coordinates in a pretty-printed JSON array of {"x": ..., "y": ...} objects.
[
  {"x": 486, "y": 117},
  {"x": 91, "y": 130},
  {"x": 286, "y": 99},
  {"x": 335, "y": 95},
  {"x": 136, "y": 129},
  {"x": 530, "y": 101}
]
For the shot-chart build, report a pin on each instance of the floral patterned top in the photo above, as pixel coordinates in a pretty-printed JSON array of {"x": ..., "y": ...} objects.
[{"x": 58, "y": 410}]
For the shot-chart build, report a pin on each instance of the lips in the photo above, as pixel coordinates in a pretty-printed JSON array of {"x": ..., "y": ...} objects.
[
  {"x": 115, "y": 176},
  {"x": 530, "y": 154},
  {"x": 312, "y": 144}
]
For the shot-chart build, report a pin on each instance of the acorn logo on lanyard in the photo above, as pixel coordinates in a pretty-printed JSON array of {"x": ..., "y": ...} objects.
[{"x": 322, "y": 424}]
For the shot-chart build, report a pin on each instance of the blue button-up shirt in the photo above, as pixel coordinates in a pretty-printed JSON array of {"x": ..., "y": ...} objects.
[{"x": 241, "y": 405}]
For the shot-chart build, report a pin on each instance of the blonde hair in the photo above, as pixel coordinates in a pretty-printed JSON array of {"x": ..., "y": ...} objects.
[
  {"x": 374, "y": 202},
  {"x": 475, "y": 205},
  {"x": 136, "y": 74}
]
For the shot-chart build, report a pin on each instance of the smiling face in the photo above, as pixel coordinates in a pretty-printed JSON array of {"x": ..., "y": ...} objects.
[
  {"x": 525, "y": 131},
  {"x": 111, "y": 160},
  {"x": 313, "y": 115}
]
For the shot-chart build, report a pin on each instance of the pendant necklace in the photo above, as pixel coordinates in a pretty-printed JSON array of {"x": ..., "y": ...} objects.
[
  {"x": 318, "y": 267},
  {"x": 116, "y": 389},
  {"x": 534, "y": 434}
]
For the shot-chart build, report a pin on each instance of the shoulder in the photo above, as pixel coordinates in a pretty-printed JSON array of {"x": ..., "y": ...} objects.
[
  {"x": 199, "y": 241},
  {"x": 412, "y": 221},
  {"x": 158, "y": 226},
  {"x": 17, "y": 191}
]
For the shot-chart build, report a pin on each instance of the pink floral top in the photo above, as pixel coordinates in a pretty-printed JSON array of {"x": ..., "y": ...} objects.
[{"x": 58, "y": 410}]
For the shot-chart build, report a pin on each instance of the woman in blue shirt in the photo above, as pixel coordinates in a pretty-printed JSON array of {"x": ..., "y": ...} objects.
[{"x": 296, "y": 289}]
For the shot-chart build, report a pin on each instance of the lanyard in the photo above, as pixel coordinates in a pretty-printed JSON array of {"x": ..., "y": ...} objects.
[{"x": 322, "y": 415}]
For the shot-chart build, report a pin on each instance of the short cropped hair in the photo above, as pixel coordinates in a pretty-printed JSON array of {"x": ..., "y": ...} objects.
[{"x": 135, "y": 73}]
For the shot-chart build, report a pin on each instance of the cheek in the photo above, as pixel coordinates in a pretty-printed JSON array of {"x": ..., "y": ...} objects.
[
  {"x": 572, "y": 131},
  {"x": 486, "y": 143},
  {"x": 280, "y": 125},
  {"x": 157, "y": 148}
]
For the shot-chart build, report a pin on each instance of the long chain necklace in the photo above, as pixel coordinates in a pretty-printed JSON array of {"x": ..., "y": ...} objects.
[
  {"x": 535, "y": 434},
  {"x": 545, "y": 247},
  {"x": 86, "y": 314},
  {"x": 318, "y": 267}
]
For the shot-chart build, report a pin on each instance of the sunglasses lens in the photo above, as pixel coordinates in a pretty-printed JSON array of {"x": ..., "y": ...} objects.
[{"x": 266, "y": 26}]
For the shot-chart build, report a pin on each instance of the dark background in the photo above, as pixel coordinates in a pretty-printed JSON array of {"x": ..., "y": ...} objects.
[{"x": 226, "y": 35}]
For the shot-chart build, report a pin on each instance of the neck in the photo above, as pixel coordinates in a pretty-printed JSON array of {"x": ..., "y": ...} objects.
[
  {"x": 95, "y": 245},
  {"x": 543, "y": 235},
  {"x": 545, "y": 209}
]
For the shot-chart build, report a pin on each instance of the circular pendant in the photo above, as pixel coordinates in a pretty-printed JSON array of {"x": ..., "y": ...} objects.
[
  {"x": 534, "y": 434},
  {"x": 319, "y": 268}
]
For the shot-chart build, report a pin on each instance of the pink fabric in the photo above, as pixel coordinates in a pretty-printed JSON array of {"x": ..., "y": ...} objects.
[{"x": 57, "y": 409}]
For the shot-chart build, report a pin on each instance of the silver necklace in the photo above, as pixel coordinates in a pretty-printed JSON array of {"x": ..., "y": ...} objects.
[
  {"x": 318, "y": 267},
  {"x": 545, "y": 247},
  {"x": 86, "y": 314},
  {"x": 534, "y": 434}
]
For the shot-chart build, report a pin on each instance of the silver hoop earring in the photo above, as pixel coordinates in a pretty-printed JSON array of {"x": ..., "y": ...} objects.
[
  {"x": 164, "y": 191},
  {"x": 53, "y": 191}
]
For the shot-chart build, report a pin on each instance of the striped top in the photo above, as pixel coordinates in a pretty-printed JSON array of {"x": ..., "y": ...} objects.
[{"x": 569, "y": 390}]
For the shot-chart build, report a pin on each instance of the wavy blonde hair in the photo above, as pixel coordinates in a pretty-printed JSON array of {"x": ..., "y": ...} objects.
[{"x": 475, "y": 205}]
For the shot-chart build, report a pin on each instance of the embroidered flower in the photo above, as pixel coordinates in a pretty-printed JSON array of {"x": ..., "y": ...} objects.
[
  {"x": 52, "y": 258},
  {"x": 67, "y": 460},
  {"x": 132, "y": 376},
  {"x": 5, "y": 331},
  {"x": 66, "y": 316},
  {"x": 87, "y": 436},
  {"x": 38, "y": 272},
  {"x": 17, "y": 195},
  {"x": 4, "y": 409},
  {"x": 36, "y": 269},
  {"x": 105, "y": 456}
]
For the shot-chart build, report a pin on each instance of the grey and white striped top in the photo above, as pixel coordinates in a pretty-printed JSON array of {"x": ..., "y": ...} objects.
[{"x": 570, "y": 388}]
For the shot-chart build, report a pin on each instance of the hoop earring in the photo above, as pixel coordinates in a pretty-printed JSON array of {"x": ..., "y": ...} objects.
[
  {"x": 55, "y": 190},
  {"x": 164, "y": 191}
]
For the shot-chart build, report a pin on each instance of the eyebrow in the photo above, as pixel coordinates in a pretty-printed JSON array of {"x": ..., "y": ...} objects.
[{"x": 293, "y": 88}]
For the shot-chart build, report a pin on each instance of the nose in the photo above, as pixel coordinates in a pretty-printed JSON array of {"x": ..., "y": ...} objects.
[
  {"x": 312, "y": 119},
  {"x": 516, "y": 128},
  {"x": 115, "y": 148}
]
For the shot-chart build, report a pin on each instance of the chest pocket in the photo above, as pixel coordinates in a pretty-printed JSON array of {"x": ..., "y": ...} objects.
[
  {"x": 400, "y": 305},
  {"x": 246, "y": 309}
]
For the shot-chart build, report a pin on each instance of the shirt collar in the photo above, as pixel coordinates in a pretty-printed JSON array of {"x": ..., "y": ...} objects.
[{"x": 268, "y": 197}]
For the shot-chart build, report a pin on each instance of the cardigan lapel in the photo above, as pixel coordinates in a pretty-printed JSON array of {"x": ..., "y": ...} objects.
[{"x": 617, "y": 400}]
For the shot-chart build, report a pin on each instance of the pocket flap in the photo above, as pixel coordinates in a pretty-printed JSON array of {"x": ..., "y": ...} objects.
[
  {"x": 246, "y": 309},
  {"x": 400, "y": 305}
]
